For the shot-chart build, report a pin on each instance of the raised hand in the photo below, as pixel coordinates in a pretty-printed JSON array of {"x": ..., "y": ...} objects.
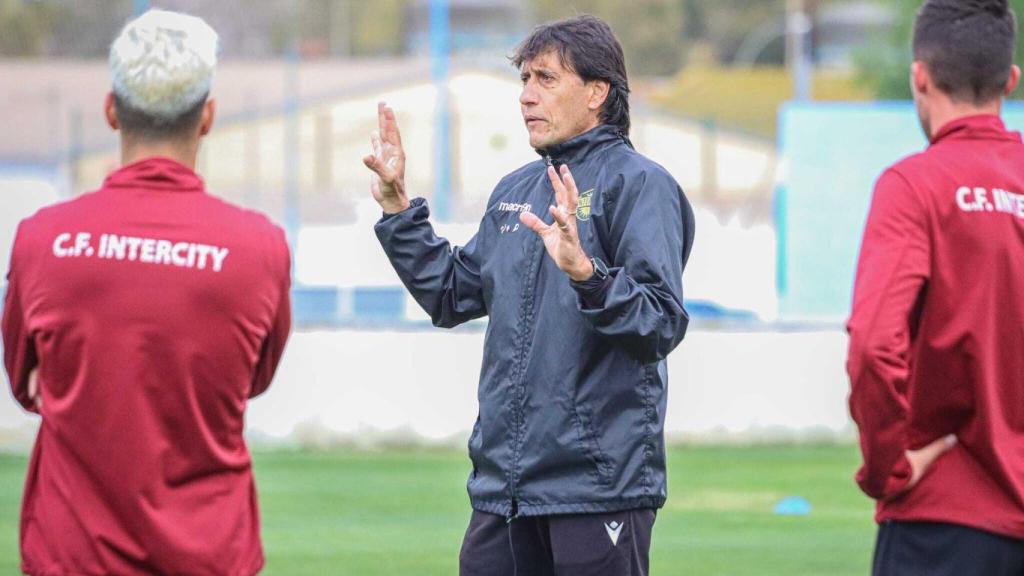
[
  {"x": 387, "y": 163},
  {"x": 562, "y": 239}
]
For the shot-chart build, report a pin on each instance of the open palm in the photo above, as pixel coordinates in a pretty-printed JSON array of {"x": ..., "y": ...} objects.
[
  {"x": 387, "y": 163},
  {"x": 562, "y": 239}
]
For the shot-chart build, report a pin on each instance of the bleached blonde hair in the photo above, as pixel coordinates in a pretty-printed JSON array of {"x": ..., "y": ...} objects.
[{"x": 162, "y": 63}]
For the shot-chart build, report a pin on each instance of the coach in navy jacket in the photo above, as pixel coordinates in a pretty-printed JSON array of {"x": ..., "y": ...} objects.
[{"x": 573, "y": 385}]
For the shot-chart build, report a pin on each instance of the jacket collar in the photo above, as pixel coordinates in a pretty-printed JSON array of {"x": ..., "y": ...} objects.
[
  {"x": 978, "y": 127},
  {"x": 579, "y": 147},
  {"x": 156, "y": 173}
]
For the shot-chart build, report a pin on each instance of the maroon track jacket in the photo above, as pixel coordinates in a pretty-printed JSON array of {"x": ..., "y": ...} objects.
[
  {"x": 153, "y": 312},
  {"x": 937, "y": 330}
]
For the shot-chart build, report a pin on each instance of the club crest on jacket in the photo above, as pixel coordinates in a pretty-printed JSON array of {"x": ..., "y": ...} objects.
[{"x": 583, "y": 208}]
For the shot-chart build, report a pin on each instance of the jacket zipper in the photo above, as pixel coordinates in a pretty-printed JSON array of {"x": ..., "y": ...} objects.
[
  {"x": 514, "y": 508},
  {"x": 513, "y": 513}
]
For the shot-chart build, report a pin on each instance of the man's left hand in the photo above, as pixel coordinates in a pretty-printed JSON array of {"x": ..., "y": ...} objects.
[
  {"x": 561, "y": 239},
  {"x": 923, "y": 458},
  {"x": 33, "y": 389}
]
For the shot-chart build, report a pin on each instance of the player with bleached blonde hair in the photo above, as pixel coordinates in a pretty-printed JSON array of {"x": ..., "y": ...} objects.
[{"x": 138, "y": 321}]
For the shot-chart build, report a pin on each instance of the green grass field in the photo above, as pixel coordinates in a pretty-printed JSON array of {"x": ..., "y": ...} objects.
[{"x": 404, "y": 512}]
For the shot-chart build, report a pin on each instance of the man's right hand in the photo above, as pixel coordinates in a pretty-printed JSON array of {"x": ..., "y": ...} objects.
[{"x": 387, "y": 163}]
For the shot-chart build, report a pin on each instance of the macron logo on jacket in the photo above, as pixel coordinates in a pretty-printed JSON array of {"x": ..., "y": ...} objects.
[{"x": 515, "y": 207}]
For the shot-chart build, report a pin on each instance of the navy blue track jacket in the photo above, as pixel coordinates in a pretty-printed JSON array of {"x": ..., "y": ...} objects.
[{"x": 573, "y": 385}]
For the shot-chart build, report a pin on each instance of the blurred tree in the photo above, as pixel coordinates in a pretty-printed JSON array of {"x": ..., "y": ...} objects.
[
  {"x": 248, "y": 28},
  {"x": 378, "y": 27},
  {"x": 25, "y": 27},
  {"x": 728, "y": 24},
  {"x": 884, "y": 66},
  {"x": 651, "y": 31},
  {"x": 696, "y": 18},
  {"x": 341, "y": 28}
]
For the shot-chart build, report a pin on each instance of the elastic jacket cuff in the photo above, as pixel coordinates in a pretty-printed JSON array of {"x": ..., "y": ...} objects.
[
  {"x": 593, "y": 291},
  {"x": 414, "y": 203}
]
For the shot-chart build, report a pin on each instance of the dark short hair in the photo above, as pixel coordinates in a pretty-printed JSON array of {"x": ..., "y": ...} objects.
[
  {"x": 968, "y": 46},
  {"x": 587, "y": 46},
  {"x": 139, "y": 124}
]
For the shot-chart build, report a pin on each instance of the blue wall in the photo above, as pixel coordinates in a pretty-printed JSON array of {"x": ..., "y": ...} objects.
[{"x": 831, "y": 154}]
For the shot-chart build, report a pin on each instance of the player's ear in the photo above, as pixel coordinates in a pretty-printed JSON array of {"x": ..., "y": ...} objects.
[
  {"x": 206, "y": 121},
  {"x": 1012, "y": 81},
  {"x": 110, "y": 111},
  {"x": 920, "y": 78}
]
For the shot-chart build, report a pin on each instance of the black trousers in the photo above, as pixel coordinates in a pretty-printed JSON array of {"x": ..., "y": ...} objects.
[
  {"x": 615, "y": 544},
  {"x": 936, "y": 549}
]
